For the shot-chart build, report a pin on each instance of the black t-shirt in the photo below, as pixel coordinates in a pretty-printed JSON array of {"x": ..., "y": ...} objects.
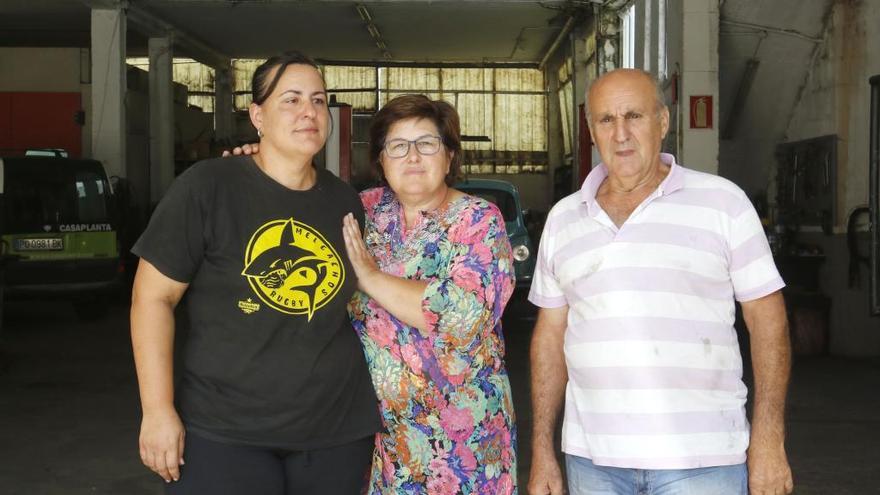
[{"x": 270, "y": 358}]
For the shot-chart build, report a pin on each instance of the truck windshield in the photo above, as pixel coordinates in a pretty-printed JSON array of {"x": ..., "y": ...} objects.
[{"x": 45, "y": 195}]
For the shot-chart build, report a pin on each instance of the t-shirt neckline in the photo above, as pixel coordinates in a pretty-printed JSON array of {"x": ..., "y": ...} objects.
[{"x": 255, "y": 169}]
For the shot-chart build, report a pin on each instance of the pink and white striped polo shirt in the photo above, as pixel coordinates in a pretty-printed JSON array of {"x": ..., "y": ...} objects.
[{"x": 655, "y": 374}]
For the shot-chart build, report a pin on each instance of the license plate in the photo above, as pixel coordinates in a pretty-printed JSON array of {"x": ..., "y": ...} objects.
[{"x": 44, "y": 244}]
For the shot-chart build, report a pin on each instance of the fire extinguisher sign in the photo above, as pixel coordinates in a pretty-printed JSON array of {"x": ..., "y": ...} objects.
[{"x": 701, "y": 111}]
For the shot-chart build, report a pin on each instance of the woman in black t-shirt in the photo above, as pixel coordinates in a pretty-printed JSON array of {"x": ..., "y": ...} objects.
[{"x": 272, "y": 395}]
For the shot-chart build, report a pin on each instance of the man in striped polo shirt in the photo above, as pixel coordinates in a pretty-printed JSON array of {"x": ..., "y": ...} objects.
[{"x": 636, "y": 281}]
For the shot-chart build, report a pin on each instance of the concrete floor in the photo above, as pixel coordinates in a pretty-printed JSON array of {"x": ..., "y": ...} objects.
[{"x": 69, "y": 409}]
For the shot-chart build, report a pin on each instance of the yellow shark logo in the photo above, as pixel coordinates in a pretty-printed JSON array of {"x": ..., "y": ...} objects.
[{"x": 292, "y": 268}]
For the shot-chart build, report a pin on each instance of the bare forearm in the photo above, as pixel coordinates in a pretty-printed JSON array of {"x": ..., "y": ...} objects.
[
  {"x": 769, "y": 471},
  {"x": 771, "y": 362},
  {"x": 769, "y": 410},
  {"x": 152, "y": 338},
  {"x": 549, "y": 378},
  {"x": 399, "y": 296}
]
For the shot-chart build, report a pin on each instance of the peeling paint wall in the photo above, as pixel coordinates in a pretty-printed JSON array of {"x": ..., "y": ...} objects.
[
  {"x": 781, "y": 37},
  {"x": 835, "y": 100},
  {"x": 836, "y": 96}
]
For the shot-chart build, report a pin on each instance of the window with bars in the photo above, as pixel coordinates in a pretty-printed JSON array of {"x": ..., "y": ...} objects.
[
  {"x": 197, "y": 77},
  {"x": 503, "y": 110}
]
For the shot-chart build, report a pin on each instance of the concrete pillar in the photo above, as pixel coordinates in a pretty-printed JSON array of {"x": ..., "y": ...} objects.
[
  {"x": 699, "y": 77},
  {"x": 108, "y": 89},
  {"x": 607, "y": 39},
  {"x": 224, "y": 128},
  {"x": 161, "y": 116}
]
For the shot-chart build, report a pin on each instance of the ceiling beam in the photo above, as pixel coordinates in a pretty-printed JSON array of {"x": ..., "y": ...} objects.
[
  {"x": 152, "y": 25},
  {"x": 104, "y": 4}
]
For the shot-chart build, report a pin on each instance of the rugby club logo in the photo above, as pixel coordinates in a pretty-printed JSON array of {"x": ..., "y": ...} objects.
[{"x": 292, "y": 268}]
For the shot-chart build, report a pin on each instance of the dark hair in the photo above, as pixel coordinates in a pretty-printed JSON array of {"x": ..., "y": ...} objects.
[
  {"x": 403, "y": 107},
  {"x": 261, "y": 88}
]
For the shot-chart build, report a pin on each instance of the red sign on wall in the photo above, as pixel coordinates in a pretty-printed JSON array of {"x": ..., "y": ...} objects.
[{"x": 701, "y": 111}]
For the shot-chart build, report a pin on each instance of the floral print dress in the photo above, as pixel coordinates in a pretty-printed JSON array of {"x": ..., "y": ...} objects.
[{"x": 445, "y": 397}]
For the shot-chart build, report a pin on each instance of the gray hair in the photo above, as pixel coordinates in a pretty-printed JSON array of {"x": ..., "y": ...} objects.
[{"x": 659, "y": 96}]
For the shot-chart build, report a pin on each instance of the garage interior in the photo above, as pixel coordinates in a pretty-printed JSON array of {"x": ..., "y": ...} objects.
[{"x": 774, "y": 96}]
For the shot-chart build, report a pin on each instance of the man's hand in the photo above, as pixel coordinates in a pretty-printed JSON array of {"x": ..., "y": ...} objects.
[
  {"x": 769, "y": 472},
  {"x": 161, "y": 443},
  {"x": 245, "y": 149},
  {"x": 545, "y": 477}
]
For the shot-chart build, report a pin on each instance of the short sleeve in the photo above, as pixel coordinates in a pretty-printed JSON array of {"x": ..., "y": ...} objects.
[
  {"x": 545, "y": 291},
  {"x": 753, "y": 272},
  {"x": 468, "y": 301},
  {"x": 174, "y": 240}
]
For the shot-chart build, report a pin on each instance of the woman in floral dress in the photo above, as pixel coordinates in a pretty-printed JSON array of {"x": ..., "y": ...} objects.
[{"x": 436, "y": 270}]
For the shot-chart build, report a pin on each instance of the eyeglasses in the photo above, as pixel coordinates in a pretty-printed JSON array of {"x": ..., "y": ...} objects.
[{"x": 425, "y": 145}]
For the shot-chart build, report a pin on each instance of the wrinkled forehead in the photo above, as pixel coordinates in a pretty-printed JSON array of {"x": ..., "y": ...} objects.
[{"x": 619, "y": 94}]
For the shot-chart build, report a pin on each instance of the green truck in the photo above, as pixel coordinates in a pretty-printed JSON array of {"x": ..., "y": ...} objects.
[{"x": 59, "y": 237}]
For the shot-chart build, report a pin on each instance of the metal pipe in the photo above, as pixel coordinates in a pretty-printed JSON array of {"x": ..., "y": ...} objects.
[
  {"x": 874, "y": 194},
  {"x": 769, "y": 29},
  {"x": 569, "y": 24},
  {"x": 739, "y": 101},
  {"x": 575, "y": 120}
]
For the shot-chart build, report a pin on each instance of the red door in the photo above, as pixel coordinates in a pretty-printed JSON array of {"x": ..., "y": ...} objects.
[{"x": 40, "y": 120}]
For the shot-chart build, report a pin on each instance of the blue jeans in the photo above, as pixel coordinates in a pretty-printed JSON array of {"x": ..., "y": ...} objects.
[{"x": 586, "y": 478}]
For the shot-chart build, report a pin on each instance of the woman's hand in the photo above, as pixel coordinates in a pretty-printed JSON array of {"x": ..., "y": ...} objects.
[
  {"x": 245, "y": 149},
  {"x": 161, "y": 443},
  {"x": 363, "y": 263},
  {"x": 399, "y": 296}
]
